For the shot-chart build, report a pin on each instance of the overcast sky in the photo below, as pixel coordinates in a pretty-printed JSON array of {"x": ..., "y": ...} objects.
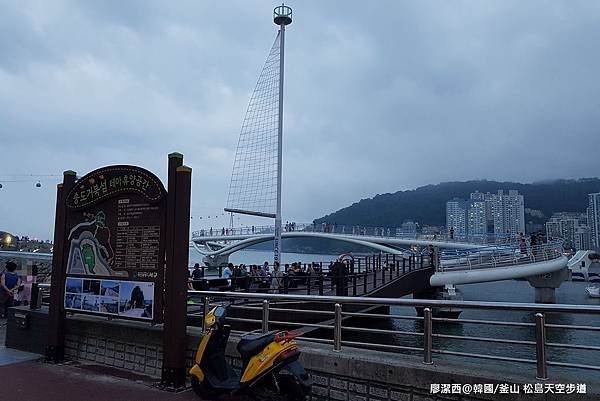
[{"x": 380, "y": 95}]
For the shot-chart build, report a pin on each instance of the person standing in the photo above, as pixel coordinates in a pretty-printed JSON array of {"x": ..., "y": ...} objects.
[
  {"x": 276, "y": 278},
  {"x": 533, "y": 244},
  {"x": 9, "y": 284},
  {"x": 197, "y": 273}
]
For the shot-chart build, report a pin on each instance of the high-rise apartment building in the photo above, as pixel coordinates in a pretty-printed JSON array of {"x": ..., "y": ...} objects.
[
  {"x": 568, "y": 225},
  {"x": 583, "y": 239},
  {"x": 456, "y": 217},
  {"x": 476, "y": 219},
  {"x": 593, "y": 213},
  {"x": 500, "y": 213},
  {"x": 509, "y": 213}
]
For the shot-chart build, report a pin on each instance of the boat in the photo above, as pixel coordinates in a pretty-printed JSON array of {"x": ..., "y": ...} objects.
[{"x": 593, "y": 291}]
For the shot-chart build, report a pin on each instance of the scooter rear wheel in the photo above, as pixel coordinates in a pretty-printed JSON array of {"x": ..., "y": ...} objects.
[
  {"x": 289, "y": 390},
  {"x": 203, "y": 390}
]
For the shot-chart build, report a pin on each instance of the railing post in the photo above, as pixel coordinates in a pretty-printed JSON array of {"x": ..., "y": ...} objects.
[
  {"x": 286, "y": 283},
  {"x": 540, "y": 347},
  {"x": 392, "y": 271},
  {"x": 205, "y": 310},
  {"x": 365, "y": 280},
  {"x": 354, "y": 284},
  {"x": 403, "y": 265},
  {"x": 337, "y": 328},
  {"x": 382, "y": 276},
  {"x": 421, "y": 262},
  {"x": 359, "y": 265},
  {"x": 427, "y": 336},
  {"x": 35, "y": 295},
  {"x": 321, "y": 284},
  {"x": 308, "y": 285},
  {"x": 220, "y": 271},
  {"x": 40, "y": 298},
  {"x": 374, "y": 279},
  {"x": 265, "y": 316}
]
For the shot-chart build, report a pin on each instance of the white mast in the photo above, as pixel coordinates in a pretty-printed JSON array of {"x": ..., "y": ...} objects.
[{"x": 282, "y": 16}]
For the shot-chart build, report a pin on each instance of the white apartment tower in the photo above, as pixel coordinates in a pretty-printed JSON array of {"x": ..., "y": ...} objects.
[
  {"x": 456, "y": 217},
  {"x": 593, "y": 213},
  {"x": 476, "y": 219},
  {"x": 509, "y": 213}
]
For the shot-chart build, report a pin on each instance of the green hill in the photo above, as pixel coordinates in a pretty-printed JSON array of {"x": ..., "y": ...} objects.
[{"x": 427, "y": 205}]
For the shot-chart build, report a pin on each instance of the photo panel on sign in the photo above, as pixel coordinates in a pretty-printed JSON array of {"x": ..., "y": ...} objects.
[
  {"x": 91, "y": 287},
  {"x": 74, "y": 285},
  {"x": 109, "y": 288},
  {"x": 91, "y": 303},
  {"x": 136, "y": 299},
  {"x": 109, "y": 305}
]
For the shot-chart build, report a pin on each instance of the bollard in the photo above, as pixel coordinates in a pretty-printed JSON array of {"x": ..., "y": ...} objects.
[
  {"x": 265, "y": 316},
  {"x": 540, "y": 347},
  {"x": 337, "y": 328},
  {"x": 427, "y": 339}
]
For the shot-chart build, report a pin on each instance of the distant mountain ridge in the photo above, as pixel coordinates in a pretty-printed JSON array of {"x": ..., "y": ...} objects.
[{"x": 427, "y": 205}]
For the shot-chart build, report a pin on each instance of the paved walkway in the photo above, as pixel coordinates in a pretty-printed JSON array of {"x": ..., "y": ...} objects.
[
  {"x": 26, "y": 377},
  {"x": 36, "y": 380}
]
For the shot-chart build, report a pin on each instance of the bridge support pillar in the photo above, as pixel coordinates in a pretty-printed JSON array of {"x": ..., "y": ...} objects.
[
  {"x": 545, "y": 285},
  {"x": 214, "y": 261}
]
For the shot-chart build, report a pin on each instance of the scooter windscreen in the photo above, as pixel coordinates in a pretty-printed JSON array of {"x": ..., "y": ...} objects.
[{"x": 220, "y": 313}]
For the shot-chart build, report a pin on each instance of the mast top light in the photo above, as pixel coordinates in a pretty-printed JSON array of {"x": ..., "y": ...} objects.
[{"x": 282, "y": 15}]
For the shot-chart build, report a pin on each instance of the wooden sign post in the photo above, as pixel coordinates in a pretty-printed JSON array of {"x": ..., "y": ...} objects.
[{"x": 121, "y": 246}]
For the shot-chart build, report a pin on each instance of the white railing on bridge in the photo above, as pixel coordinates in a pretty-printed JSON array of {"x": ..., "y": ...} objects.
[
  {"x": 354, "y": 230},
  {"x": 499, "y": 256}
]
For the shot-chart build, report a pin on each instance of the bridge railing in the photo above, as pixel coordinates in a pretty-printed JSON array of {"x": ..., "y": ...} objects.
[
  {"x": 362, "y": 274},
  {"x": 499, "y": 256},
  {"x": 354, "y": 230},
  {"x": 342, "y": 326}
]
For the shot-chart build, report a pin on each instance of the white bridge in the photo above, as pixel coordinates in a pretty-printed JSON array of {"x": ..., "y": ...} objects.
[{"x": 461, "y": 262}]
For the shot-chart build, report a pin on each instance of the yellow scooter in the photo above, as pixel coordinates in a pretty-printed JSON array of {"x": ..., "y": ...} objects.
[{"x": 270, "y": 367}]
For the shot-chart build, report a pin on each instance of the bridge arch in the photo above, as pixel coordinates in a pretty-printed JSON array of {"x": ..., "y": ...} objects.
[{"x": 247, "y": 242}]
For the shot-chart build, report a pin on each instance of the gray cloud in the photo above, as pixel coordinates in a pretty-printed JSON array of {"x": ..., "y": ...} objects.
[{"x": 380, "y": 96}]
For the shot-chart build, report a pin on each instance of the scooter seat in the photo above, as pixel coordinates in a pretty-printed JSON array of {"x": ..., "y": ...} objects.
[{"x": 252, "y": 343}]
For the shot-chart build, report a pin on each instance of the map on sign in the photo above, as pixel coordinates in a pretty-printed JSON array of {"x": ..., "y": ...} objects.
[{"x": 90, "y": 250}]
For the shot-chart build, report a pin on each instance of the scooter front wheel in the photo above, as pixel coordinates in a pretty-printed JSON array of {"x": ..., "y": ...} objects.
[{"x": 203, "y": 390}]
